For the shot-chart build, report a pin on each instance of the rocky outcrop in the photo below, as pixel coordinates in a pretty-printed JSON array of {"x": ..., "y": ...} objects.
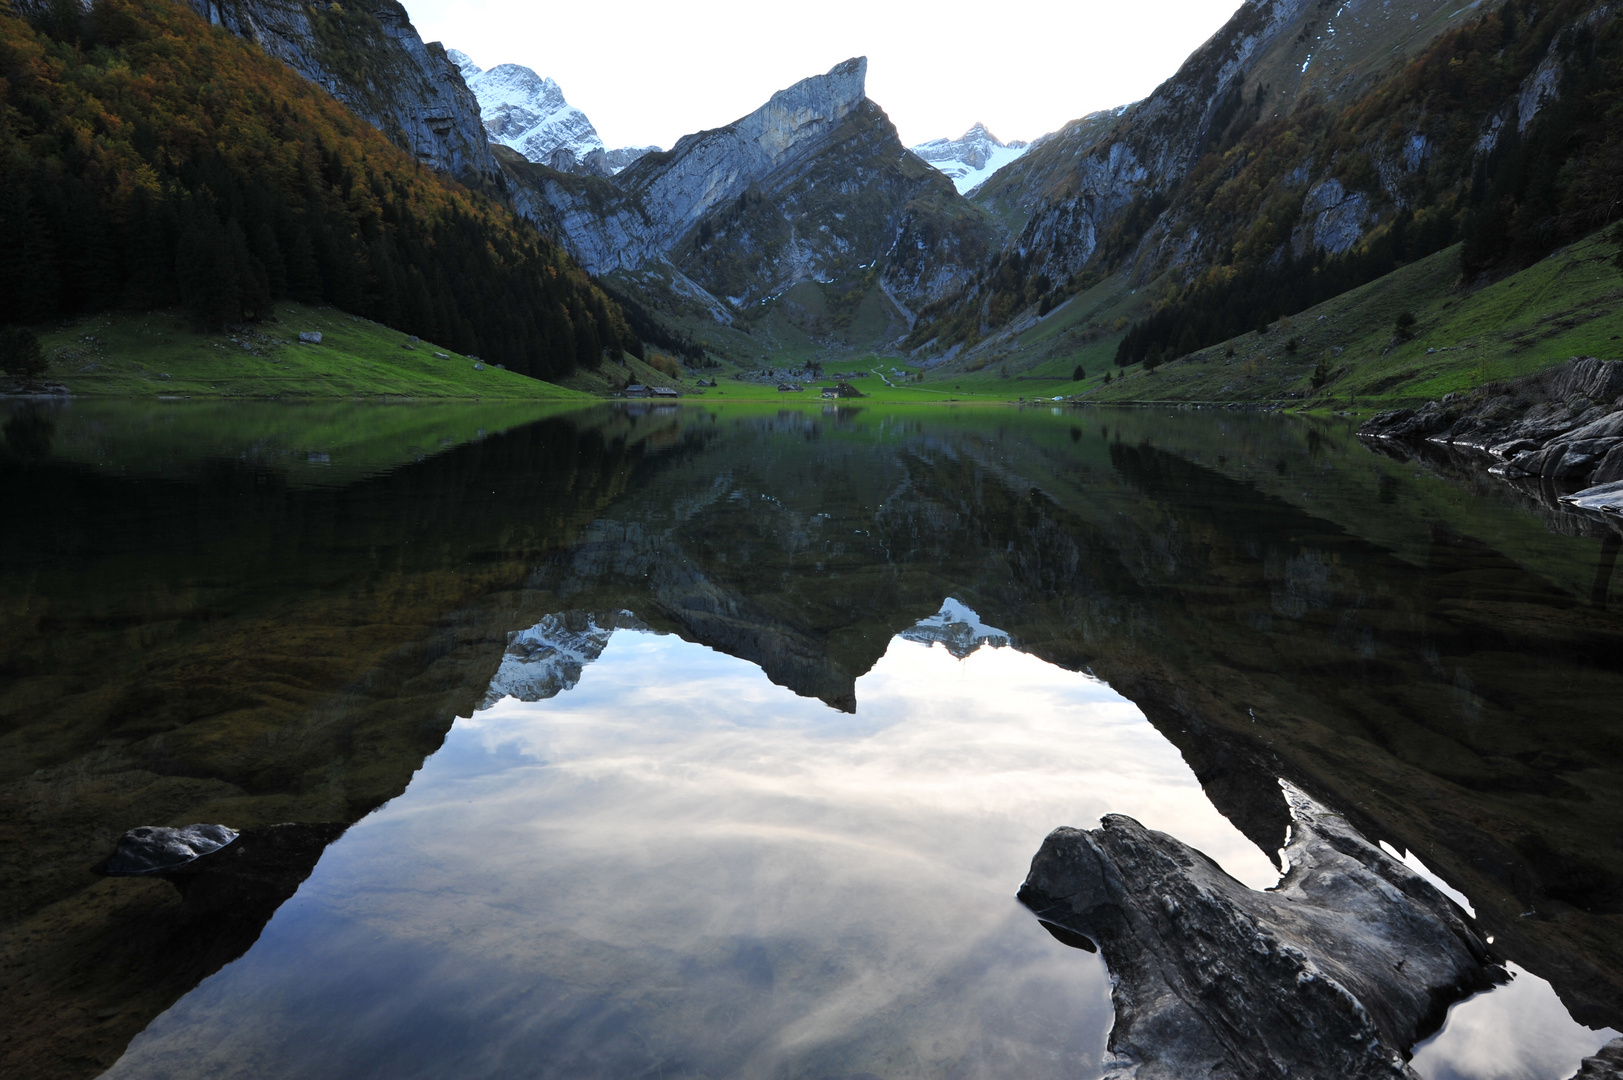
[
  {"x": 1563, "y": 425},
  {"x": 1336, "y": 972},
  {"x": 370, "y": 57},
  {"x": 666, "y": 195},
  {"x": 813, "y": 186}
]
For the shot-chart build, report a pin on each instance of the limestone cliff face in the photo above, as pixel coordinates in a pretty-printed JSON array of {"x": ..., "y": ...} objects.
[
  {"x": 370, "y": 57},
  {"x": 812, "y": 186}
]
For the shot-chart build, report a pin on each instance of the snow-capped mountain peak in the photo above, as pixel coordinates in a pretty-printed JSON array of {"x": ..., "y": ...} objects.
[
  {"x": 972, "y": 157},
  {"x": 527, "y": 111}
]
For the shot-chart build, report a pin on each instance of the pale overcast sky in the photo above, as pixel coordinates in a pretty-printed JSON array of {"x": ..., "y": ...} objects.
[{"x": 649, "y": 72}]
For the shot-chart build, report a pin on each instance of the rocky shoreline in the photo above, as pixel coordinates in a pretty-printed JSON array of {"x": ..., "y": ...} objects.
[{"x": 1564, "y": 425}]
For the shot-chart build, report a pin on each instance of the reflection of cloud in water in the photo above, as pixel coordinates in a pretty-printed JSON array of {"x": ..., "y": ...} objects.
[
  {"x": 680, "y": 867},
  {"x": 1518, "y": 1031}
]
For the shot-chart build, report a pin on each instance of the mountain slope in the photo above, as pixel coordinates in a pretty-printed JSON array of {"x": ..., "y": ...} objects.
[
  {"x": 1235, "y": 199},
  {"x": 372, "y": 59},
  {"x": 814, "y": 187},
  {"x": 176, "y": 164}
]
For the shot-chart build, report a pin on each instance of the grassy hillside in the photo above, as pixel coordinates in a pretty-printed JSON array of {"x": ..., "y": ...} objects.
[
  {"x": 1569, "y": 304},
  {"x": 162, "y": 354}
]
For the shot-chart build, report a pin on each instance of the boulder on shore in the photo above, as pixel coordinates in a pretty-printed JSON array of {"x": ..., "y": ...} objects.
[{"x": 1336, "y": 972}]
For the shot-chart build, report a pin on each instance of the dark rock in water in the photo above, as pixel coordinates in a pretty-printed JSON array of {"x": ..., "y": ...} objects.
[
  {"x": 1563, "y": 426},
  {"x": 1337, "y": 972},
  {"x": 152, "y": 849},
  {"x": 1607, "y": 1064},
  {"x": 245, "y": 874}
]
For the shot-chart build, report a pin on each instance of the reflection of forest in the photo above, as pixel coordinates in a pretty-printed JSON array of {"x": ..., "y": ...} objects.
[{"x": 232, "y": 650}]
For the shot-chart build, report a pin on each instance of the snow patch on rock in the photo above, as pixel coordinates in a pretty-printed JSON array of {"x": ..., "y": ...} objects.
[{"x": 972, "y": 157}]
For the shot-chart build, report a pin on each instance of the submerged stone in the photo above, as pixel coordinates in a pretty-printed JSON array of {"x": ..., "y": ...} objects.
[{"x": 1336, "y": 972}]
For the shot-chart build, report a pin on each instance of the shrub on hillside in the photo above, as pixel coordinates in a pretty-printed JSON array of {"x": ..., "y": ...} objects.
[{"x": 665, "y": 365}]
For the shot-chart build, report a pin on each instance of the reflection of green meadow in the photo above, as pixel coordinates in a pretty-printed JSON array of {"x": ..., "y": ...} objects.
[
  {"x": 311, "y": 443},
  {"x": 161, "y": 354}
]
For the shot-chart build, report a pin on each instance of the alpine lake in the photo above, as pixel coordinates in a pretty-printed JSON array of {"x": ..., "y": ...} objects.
[{"x": 714, "y": 741}]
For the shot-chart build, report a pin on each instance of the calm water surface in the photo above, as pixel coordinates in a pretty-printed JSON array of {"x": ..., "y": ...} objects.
[{"x": 704, "y": 742}]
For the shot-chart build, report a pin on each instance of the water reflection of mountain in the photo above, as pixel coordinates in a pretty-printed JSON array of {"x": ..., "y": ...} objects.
[{"x": 1276, "y": 600}]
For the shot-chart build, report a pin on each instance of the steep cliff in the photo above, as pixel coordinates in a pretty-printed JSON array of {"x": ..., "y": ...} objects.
[
  {"x": 370, "y": 57},
  {"x": 812, "y": 187}
]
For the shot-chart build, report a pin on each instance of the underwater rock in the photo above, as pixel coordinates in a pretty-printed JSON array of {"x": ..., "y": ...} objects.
[{"x": 1336, "y": 972}]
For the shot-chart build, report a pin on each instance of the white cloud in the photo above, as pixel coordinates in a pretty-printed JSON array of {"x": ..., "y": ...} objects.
[{"x": 651, "y": 72}]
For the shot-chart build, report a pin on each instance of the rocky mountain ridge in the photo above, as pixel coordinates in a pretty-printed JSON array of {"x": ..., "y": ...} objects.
[
  {"x": 814, "y": 186},
  {"x": 529, "y": 113}
]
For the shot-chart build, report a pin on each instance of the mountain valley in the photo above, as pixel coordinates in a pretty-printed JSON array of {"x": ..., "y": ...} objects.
[{"x": 1305, "y": 150}]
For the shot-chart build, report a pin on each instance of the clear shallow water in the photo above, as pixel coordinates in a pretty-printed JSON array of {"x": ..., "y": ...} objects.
[{"x": 773, "y": 824}]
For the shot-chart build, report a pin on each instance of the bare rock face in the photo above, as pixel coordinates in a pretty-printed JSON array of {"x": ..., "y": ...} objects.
[
  {"x": 409, "y": 90},
  {"x": 667, "y": 194},
  {"x": 815, "y": 185},
  {"x": 1337, "y": 972}
]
